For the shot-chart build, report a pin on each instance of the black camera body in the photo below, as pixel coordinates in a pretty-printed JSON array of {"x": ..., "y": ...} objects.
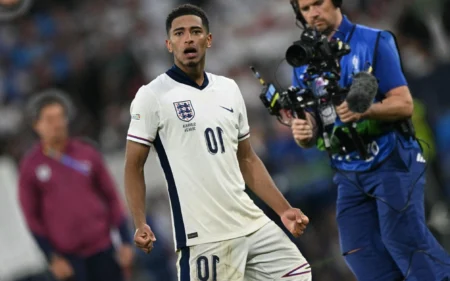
[
  {"x": 293, "y": 100},
  {"x": 321, "y": 77},
  {"x": 316, "y": 50}
]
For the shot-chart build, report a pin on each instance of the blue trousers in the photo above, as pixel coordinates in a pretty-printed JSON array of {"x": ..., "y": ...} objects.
[{"x": 384, "y": 242}]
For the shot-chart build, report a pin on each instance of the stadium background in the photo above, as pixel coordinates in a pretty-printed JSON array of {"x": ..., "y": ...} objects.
[{"x": 99, "y": 52}]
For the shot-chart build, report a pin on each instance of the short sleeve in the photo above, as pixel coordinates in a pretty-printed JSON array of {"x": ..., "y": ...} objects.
[
  {"x": 244, "y": 128},
  {"x": 388, "y": 69},
  {"x": 144, "y": 111}
]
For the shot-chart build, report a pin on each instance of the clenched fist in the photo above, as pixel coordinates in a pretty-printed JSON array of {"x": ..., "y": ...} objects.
[
  {"x": 295, "y": 221},
  {"x": 144, "y": 238}
]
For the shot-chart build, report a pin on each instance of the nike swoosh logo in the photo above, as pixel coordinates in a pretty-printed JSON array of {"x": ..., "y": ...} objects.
[{"x": 229, "y": 109}]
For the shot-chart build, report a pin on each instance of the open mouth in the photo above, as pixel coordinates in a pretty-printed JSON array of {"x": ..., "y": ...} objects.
[{"x": 190, "y": 51}]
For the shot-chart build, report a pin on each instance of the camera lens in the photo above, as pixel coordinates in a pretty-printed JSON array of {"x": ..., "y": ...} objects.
[{"x": 298, "y": 55}]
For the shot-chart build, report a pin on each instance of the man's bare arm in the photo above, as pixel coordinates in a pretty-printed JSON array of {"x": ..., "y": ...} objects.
[
  {"x": 397, "y": 105},
  {"x": 258, "y": 179},
  {"x": 135, "y": 158}
]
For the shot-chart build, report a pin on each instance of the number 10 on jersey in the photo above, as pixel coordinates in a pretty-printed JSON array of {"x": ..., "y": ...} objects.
[{"x": 212, "y": 142}]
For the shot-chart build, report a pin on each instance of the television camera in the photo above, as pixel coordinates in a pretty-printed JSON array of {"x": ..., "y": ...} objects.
[{"x": 318, "y": 91}]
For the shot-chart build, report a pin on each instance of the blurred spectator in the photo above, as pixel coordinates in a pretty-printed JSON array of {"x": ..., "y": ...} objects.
[
  {"x": 70, "y": 200},
  {"x": 416, "y": 54}
]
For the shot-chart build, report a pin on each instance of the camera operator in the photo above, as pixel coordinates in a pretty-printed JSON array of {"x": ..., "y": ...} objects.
[{"x": 380, "y": 212}]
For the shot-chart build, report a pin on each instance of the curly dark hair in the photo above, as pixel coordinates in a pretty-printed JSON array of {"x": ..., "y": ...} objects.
[{"x": 184, "y": 10}]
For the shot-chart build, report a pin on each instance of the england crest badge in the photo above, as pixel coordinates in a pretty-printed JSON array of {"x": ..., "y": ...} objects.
[{"x": 185, "y": 110}]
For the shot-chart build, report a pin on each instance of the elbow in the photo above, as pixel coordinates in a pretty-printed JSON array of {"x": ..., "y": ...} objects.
[
  {"x": 408, "y": 108},
  {"x": 407, "y": 104},
  {"x": 245, "y": 165},
  {"x": 245, "y": 162}
]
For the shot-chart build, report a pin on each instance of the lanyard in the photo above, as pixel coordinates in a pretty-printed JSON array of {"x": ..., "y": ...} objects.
[{"x": 68, "y": 161}]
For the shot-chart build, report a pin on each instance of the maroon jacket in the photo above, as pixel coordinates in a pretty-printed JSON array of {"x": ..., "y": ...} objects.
[{"x": 71, "y": 202}]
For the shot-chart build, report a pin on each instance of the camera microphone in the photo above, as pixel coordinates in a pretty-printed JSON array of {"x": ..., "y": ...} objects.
[
  {"x": 360, "y": 97},
  {"x": 362, "y": 92}
]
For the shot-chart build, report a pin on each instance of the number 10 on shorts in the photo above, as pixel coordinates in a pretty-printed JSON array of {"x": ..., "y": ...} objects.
[{"x": 203, "y": 272}]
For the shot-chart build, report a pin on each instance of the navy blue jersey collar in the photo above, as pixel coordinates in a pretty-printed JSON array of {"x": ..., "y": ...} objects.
[
  {"x": 344, "y": 29},
  {"x": 178, "y": 75}
]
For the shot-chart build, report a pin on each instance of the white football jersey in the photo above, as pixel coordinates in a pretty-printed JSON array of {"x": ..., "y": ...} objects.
[{"x": 196, "y": 134}]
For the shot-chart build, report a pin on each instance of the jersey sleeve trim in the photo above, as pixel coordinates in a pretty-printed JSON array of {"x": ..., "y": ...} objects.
[
  {"x": 243, "y": 137},
  {"x": 139, "y": 140}
]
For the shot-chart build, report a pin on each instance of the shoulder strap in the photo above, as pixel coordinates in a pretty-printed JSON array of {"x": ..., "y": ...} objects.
[
  {"x": 351, "y": 34},
  {"x": 375, "y": 51}
]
